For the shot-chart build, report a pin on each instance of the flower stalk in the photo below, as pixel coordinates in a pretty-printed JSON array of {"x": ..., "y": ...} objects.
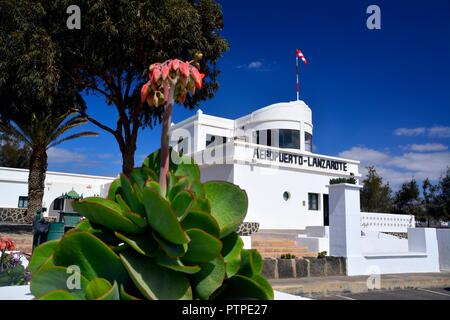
[{"x": 170, "y": 82}]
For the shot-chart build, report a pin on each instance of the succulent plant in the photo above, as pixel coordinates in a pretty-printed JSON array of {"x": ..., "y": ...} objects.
[{"x": 142, "y": 243}]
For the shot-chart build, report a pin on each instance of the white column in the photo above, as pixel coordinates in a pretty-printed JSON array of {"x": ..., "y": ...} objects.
[{"x": 345, "y": 225}]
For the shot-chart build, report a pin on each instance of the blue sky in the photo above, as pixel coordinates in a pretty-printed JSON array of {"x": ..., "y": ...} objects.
[{"x": 380, "y": 96}]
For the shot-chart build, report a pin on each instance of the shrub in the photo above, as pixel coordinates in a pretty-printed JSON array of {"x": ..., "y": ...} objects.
[
  {"x": 142, "y": 243},
  {"x": 350, "y": 180},
  {"x": 12, "y": 271},
  {"x": 322, "y": 254},
  {"x": 287, "y": 256}
]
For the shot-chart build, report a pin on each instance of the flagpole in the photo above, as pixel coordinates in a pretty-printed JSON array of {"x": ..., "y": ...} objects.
[{"x": 296, "y": 65}]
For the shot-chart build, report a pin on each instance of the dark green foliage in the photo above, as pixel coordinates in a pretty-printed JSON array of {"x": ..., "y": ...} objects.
[
  {"x": 12, "y": 272},
  {"x": 13, "y": 152},
  {"x": 109, "y": 56},
  {"x": 182, "y": 251},
  {"x": 287, "y": 256},
  {"x": 343, "y": 180},
  {"x": 407, "y": 200},
  {"x": 376, "y": 196}
]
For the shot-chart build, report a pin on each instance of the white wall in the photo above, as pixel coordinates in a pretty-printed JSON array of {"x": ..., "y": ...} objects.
[
  {"x": 14, "y": 183},
  {"x": 265, "y": 187},
  {"x": 443, "y": 238}
]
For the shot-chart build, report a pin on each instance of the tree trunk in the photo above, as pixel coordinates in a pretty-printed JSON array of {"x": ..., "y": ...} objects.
[
  {"x": 128, "y": 157},
  {"x": 36, "y": 179}
]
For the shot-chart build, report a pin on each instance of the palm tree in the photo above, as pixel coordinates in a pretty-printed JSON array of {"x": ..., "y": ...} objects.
[{"x": 42, "y": 131}]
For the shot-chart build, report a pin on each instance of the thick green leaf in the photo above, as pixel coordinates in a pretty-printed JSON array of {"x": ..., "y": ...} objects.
[
  {"x": 264, "y": 284},
  {"x": 153, "y": 185},
  {"x": 96, "y": 288},
  {"x": 111, "y": 294},
  {"x": 175, "y": 264},
  {"x": 202, "y": 204},
  {"x": 153, "y": 161},
  {"x": 135, "y": 217},
  {"x": 161, "y": 217},
  {"x": 197, "y": 188},
  {"x": 138, "y": 176},
  {"x": 201, "y": 220},
  {"x": 182, "y": 202},
  {"x": 106, "y": 213},
  {"x": 94, "y": 258},
  {"x": 156, "y": 282},
  {"x": 114, "y": 189},
  {"x": 228, "y": 203},
  {"x": 203, "y": 247},
  {"x": 42, "y": 256},
  {"x": 231, "y": 252},
  {"x": 190, "y": 171},
  {"x": 129, "y": 194},
  {"x": 241, "y": 287},
  {"x": 251, "y": 263},
  {"x": 101, "y": 289},
  {"x": 142, "y": 243},
  {"x": 209, "y": 279},
  {"x": 125, "y": 295},
  {"x": 182, "y": 184},
  {"x": 171, "y": 249},
  {"x": 57, "y": 278},
  {"x": 57, "y": 295}
]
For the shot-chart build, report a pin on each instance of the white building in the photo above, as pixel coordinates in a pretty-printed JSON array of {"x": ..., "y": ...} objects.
[
  {"x": 269, "y": 154},
  {"x": 14, "y": 188}
]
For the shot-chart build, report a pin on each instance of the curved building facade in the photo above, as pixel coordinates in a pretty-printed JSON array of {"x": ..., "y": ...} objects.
[{"x": 268, "y": 153}]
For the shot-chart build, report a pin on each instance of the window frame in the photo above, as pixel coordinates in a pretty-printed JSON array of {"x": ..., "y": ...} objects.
[
  {"x": 22, "y": 200},
  {"x": 310, "y": 207}
]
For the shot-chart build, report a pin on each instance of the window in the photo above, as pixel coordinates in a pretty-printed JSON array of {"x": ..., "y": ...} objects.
[
  {"x": 280, "y": 138},
  {"x": 286, "y": 196},
  {"x": 212, "y": 140},
  {"x": 58, "y": 204},
  {"x": 308, "y": 141},
  {"x": 183, "y": 145},
  {"x": 313, "y": 201},
  {"x": 23, "y": 202},
  {"x": 289, "y": 139}
]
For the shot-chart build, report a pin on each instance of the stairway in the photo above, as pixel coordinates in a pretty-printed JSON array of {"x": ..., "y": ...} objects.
[{"x": 271, "y": 246}]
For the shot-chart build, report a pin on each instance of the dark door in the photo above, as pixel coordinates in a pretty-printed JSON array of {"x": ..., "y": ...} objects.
[{"x": 326, "y": 213}]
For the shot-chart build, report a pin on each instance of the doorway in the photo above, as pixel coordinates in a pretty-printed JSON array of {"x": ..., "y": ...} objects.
[{"x": 326, "y": 213}]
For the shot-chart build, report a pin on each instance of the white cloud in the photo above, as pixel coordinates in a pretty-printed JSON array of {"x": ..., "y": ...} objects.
[
  {"x": 426, "y": 147},
  {"x": 439, "y": 132},
  {"x": 409, "y": 132},
  {"x": 434, "y": 132},
  {"x": 399, "y": 168},
  {"x": 60, "y": 155},
  {"x": 254, "y": 65}
]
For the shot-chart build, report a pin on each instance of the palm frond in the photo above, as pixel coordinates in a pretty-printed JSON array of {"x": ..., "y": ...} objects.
[
  {"x": 69, "y": 124},
  {"x": 14, "y": 130},
  {"x": 73, "y": 136}
]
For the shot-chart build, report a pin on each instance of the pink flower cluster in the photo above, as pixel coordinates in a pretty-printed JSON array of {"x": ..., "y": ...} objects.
[
  {"x": 7, "y": 244},
  {"x": 174, "y": 74}
]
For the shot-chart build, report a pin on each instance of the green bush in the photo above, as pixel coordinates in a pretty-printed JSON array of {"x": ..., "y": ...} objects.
[
  {"x": 322, "y": 254},
  {"x": 142, "y": 244},
  {"x": 287, "y": 256},
  {"x": 343, "y": 180}
]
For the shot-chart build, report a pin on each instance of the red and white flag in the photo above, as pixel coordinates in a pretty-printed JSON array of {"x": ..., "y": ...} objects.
[{"x": 300, "y": 54}]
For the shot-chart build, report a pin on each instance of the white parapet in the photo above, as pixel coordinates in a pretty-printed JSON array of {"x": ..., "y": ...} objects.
[
  {"x": 346, "y": 240},
  {"x": 386, "y": 222}
]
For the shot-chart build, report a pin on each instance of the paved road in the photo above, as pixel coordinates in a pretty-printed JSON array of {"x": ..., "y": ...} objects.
[{"x": 406, "y": 294}]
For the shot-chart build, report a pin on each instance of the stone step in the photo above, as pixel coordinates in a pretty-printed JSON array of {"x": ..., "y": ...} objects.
[
  {"x": 278, "y": 255},
  {"x": 273, "y": 243},
  {"x": 283, "y": 250}
]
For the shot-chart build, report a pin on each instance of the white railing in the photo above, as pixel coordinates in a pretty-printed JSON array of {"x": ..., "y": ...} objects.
[{"x": 386, "y": 222}]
